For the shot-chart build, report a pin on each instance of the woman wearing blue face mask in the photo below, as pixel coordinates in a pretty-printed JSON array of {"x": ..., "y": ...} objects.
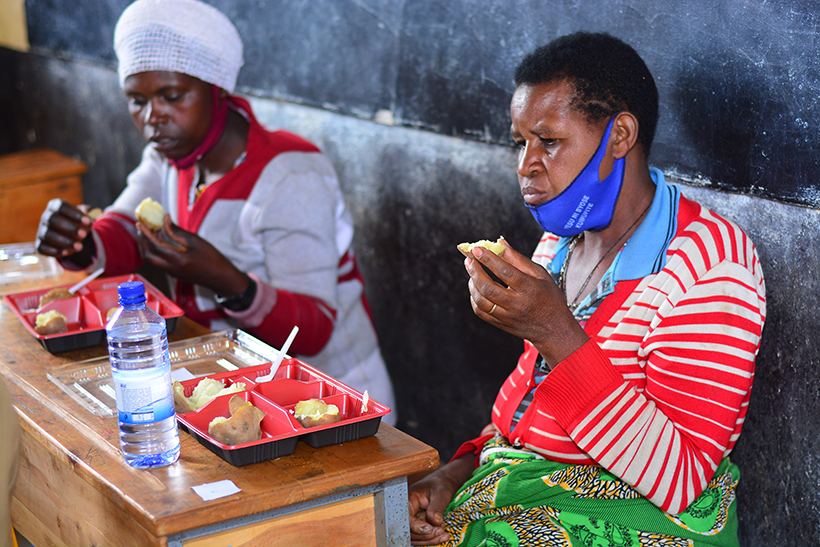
[{"x": 641, "y": 313}]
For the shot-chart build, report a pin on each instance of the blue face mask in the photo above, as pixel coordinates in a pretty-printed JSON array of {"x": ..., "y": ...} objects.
[{"x": 588, "y": 203}]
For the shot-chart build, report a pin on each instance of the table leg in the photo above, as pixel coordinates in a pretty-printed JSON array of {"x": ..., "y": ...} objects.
[{"x": 393, "y": 502}]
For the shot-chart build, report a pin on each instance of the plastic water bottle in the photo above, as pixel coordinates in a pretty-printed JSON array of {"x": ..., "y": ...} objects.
[{"x": 141, "y": 370}]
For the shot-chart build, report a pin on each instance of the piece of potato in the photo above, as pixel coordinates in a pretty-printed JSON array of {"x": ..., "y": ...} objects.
[
  {"x": 205, "y": 391},
  {"x": 495, "y": 246},
  {"x": 181, "y": 405},
  {"x": 110, "y": 312},
  {"x": 210, "y": 390},
  {"x": 150, "y": 213},
  {"x": 243, "y": 425},
  {"x": 50, "y": 322},
  {"x": 314, "y": 412},
  {"x": 235, "y": 403},
  {"x": 54, "y": 294}
]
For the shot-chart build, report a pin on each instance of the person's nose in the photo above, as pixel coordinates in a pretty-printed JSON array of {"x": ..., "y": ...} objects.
[
  {"x": 152, "y": 115},
  {"x": 529, "y": 162}
]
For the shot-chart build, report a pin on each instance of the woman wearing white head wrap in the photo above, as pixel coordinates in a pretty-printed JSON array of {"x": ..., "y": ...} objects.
[
  {"x": 185, "y": 36},
  {"x": 256, "y": 234}
]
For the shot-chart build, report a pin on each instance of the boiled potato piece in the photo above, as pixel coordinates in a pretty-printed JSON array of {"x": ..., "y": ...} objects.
[
  {"x": 209, "y": 389},
  {"x": 495, "y": 246},
  {"x": 110, "y": 312},
  {"x": 50, "y": 322},
  {"x": 205, "y": 391},
  {"x": 314, "y": 412},
  {"x": 243, "y": 425},
  {"x": 235, "y": 403},
  {"x": 181, "y": 404},
  {"x": 150, "y": 213},
  {"x": 54, "y": 294}
]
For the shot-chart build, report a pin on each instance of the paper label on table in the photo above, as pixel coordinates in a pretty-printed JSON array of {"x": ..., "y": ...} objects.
[
  {"x": 181, "y": 374},
  {"x": 214, "y": 490}
]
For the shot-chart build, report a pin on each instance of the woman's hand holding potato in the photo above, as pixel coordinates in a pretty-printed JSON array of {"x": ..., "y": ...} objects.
[
  {"x": 189, "y": 258},
  {"x": 530, "y": 306},
  {"x": 150, "y": 213}
]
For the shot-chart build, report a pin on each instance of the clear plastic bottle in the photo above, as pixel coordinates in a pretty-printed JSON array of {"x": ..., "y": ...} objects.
[{"x": 141, "y": 370}]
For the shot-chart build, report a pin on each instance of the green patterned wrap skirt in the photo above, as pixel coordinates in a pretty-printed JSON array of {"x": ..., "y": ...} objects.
[{"x": 516, "y": 498}]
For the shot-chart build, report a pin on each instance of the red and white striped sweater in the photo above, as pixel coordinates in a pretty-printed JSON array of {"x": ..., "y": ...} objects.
[{"x": 659, "y": 394}]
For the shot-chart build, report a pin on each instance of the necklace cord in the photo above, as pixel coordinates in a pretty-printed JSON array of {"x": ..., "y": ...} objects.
[{"x": 571, "y": 247}]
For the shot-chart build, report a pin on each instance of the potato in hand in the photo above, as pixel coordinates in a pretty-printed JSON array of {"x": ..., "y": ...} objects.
[
  {"x": 495, "y": 246},
  {"x": 150, "y": 213}
]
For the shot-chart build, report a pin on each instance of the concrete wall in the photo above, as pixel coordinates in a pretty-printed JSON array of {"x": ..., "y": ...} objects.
[{"x": 739, "y": 85}]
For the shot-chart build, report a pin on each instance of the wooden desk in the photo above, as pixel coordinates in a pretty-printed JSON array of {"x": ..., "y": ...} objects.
[
  {"x": 75, "y": 490},
  {"x": 28, "y": 180}
]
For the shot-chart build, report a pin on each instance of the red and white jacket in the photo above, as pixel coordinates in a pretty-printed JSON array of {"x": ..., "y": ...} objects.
[
  {"x": 659, "y": 394},
  {"x": 279, "y": 216}
]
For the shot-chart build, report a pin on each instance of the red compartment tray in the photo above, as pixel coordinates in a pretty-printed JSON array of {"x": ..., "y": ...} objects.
[
  {"x": 86, "y": 311},
  {"x": 294, "y": 381}
]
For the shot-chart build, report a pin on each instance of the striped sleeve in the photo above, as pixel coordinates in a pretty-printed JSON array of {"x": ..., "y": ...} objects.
[
  {"x": 697, "y": 327},
  {"x": 118, "y": 248},
  {"x": 545, "y": 250}
]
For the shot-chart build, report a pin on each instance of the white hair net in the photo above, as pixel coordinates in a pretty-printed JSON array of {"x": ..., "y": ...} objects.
[{"x": 186, "y": 36}]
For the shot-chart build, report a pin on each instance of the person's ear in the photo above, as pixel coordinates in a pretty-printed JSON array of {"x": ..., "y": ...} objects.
[{"x": 624, "y": 134}]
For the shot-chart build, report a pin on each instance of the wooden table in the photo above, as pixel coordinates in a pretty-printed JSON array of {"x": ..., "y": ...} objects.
[{"x": 74, "y": 488}]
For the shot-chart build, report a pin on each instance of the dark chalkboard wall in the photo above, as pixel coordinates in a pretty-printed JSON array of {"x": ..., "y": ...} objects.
[{"x": 739, "y": 80}]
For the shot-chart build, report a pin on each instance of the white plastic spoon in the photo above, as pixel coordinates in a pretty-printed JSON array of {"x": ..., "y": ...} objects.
[
  {"x": 91, "y": 277},
  {"x": 275, "y": 365}
]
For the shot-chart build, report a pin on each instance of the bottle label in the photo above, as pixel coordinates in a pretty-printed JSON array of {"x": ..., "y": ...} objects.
[{"x": 140, "y": 402}]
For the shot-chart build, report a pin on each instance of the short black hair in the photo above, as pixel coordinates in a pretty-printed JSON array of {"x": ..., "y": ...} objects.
[{"x": 608, "y": 75}]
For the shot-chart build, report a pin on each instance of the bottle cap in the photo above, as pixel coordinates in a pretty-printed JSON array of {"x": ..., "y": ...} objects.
[{"x": 131, "y": 292}]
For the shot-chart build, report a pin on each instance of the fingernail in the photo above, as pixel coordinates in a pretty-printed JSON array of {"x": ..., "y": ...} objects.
[
  {"x": 82, "y": 233},
  {"x": 426, "y": 529}
]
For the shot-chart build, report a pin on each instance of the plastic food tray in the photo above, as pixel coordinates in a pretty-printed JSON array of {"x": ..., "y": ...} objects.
[
  {"x": 89, "y": 382},
  {"x": 86, "y": 311},
  {"x": 294, "y": 381},
  {"x": 21, "y": 262}
]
